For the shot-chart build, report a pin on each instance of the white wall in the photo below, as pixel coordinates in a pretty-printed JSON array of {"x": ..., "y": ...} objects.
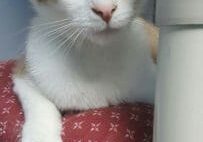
[
  {"x": 149, "y": 10},
  {"x": 181, "y": 12},
  {"x": 14, "y": 16}
]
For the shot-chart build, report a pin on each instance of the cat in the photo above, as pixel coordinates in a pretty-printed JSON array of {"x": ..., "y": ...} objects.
[{"x": 82, "y": 54}]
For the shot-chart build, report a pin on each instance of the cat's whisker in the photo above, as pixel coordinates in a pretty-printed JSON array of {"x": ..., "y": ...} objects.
[
  {"x": 122, "y": 13},
  {"x": 66, "y": 46},
  {"x": 61, "y": 45},
  {"x": 75, "y": 40},
  {"x": 54, "y": 25},
  {"x": 131, "y": 19},
  {"x": 51, "y": 23},
  {"x": 40, "y": 25},
  {"x": 57, "y": 31},
  {"x": 60, "y": 42},
  {"x": 120, "y": 17},
  {"x": 57, "y": 35},
  {"x": 48, "y": 28},
  {"x": 36, "y": 28},
  {"x": 82, "y": 39}
]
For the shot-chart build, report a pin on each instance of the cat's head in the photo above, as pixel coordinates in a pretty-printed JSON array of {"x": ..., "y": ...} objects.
[{"x": 94, "y": 19}]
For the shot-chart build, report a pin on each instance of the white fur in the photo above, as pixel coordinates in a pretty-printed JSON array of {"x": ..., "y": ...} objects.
[
  {"x": 43, "y": 123},
  {"x": 103, "y": 66}
]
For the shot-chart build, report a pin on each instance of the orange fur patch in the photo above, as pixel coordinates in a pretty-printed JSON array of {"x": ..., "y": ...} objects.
[{"x": 153, "y": 32}]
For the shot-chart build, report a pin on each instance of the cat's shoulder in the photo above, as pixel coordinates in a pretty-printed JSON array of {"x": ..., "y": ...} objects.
[{"x": 149, "y": 32}]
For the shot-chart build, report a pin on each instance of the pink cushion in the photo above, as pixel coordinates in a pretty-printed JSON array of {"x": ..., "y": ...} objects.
[{"x": 124, "y": 123}]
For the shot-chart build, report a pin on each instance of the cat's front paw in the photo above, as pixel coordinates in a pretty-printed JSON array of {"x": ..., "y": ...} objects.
[
  {"x": 33, "y": 133},
  {"x": 39, "y": 137}
]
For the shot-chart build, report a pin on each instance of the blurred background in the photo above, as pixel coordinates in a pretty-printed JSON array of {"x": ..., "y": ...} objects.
[{"x": 15, "y": 16}]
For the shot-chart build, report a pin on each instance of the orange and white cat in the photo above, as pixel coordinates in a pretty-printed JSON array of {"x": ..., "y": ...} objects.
[{"x": 82, "y": 54}]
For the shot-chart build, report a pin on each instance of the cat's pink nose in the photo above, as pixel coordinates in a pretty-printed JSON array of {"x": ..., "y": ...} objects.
[{"x": 104, "y": 11}]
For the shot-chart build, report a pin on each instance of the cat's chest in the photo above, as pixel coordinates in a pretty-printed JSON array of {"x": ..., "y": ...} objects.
[
  {"x": 99, "y": 64},
  {"x": 93, "y": 80},
  {"x": 88, "y": 66},
  {"x": 91, "y": 77}
]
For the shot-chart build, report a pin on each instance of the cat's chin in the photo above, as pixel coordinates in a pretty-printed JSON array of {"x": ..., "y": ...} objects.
[
  {"x": 102, "y": 39},
  {"x": 105, "y": 36},
  {"x": 108, "y": 31}
]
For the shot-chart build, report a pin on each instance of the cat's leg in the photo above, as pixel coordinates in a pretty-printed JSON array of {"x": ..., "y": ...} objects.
[{"x": 42, "y": 119}]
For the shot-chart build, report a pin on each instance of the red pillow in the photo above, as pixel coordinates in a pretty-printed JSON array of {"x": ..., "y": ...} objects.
[{"x": 124, "y": 123}]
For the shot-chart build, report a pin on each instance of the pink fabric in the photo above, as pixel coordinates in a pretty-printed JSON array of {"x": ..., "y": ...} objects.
[{"x": 124, "y": 123}]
